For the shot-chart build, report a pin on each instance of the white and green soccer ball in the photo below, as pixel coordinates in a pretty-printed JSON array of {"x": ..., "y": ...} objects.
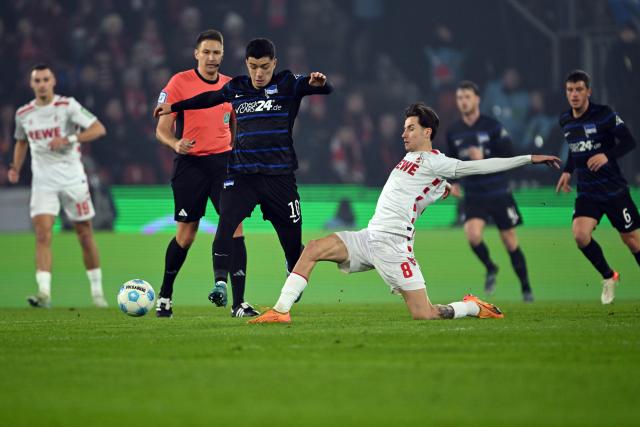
[{"x": 136, "y": 297}]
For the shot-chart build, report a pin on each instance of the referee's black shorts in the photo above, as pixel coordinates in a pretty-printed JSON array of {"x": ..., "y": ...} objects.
[
  {"x": 502, "y": 210},
  {"x": 195, "y": 180},
  {"x": 277, "y": 196}
]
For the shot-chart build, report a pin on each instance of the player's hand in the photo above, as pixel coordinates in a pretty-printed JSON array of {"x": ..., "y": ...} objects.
[
  {"x": 456, "y": 191},
  {"x": 317, "y": 79},
  {"x": 563, "y": 183},
  {"x": 447, "y": 191},
  {"x": 183, "y": 146},
  {"x": 551, "y": 161},
  {"x": 475, "y": 153},
  {"x": 162, "y": 110},
  {"x": 58, "y": 144},
  {"x": 596, "y": 162},
  {"x": 13, "y": 175}
]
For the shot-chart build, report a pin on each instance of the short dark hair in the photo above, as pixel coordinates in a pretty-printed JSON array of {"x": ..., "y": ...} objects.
[
  {"x": 209, "y": 35},
  {"x": 579, "y": 76},
  {"x": 426, "y": 117},
  {"x": 469, "y": 85},
  {"x": 259, "y": 48},
  {"x": 41, "y": 66}
]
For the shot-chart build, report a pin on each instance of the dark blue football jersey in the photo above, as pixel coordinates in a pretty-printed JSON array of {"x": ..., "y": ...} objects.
[
  {"x": 592, "y": 133},
  {"x": 265, "y": 119},
  {"x": 488, "y": 135}
]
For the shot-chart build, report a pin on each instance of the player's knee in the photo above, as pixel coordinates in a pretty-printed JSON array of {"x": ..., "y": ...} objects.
[
  {"x": 474, "y": 237},
  {"x": 474, "y": 240},
  {"x": 312, "y": 250},
  {"x": 632, "y": 240},
  {"x": 185, "y": 240},
  {"x": 85, "y": 237},
  {"x": 581, "y": 237},
  {"x": 43, "y": 236}
]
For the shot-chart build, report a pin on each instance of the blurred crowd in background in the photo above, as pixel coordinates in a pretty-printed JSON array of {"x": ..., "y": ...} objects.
[{"x": 115, "y": 56}]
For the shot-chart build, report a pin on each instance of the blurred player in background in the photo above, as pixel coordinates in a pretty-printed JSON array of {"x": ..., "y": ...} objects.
[
  {"x": 486, "y": 197},
  {"x": 263, "y": 160},
  {"x": 202, "y": 140},
  {"x": 591, "y": 130},
  {"x": 388, "y": 241},
  {"x": 49, "y": 127}
]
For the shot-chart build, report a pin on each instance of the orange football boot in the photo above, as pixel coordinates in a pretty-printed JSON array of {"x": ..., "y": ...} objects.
[
  {"x": 272, "y": 316},
  {"x": 486, "y": 310}
]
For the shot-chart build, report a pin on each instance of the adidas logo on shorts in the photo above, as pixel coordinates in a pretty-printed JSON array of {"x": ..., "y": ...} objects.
[{"x": 182, "y": 212}]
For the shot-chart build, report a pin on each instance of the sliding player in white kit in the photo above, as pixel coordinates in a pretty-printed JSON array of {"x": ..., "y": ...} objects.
[
  {"x": 387, "y": 243},
  {"x": 50, "y": 124}
]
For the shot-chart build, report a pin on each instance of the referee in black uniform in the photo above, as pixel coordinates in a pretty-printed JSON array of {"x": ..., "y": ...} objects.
[
  {"x": 262, "y": 162},
  {"x": 486, "y": 197},
  {"x": 591, "y": 130}
]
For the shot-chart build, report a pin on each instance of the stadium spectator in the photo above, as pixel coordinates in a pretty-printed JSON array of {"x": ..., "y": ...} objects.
[
  {"x": 383, "y": 153},
  {"x": 445, "y": 61},
  {"x": 312, "y": 133},
  {"x": 505, "y": 100},
  {"x": 621, "y": 72}
]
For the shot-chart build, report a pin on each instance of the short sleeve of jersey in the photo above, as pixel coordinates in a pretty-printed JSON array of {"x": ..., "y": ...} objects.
[
  {"x": 80, "y": 115},
  {"x": 171, "y": 92},
  {"x": 441, "y": 165},
  {"x": 19, "y": 133}
]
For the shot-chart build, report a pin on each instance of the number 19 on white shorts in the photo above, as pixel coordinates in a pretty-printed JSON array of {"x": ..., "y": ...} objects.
[{"x": 76, "y": 202}]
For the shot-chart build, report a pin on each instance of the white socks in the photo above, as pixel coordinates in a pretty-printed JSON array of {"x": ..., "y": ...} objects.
[
  {"x": 95, "y": 278},
  {"x": 291, "y": 290},
  {"x": 43, "y": 279},
  {"x": 464, "y": 308}
]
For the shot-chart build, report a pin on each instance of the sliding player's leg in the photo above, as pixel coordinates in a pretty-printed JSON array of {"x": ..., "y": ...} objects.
[
  {"x": 330, "y": 248},
  {"x": 421, "y": 308}
]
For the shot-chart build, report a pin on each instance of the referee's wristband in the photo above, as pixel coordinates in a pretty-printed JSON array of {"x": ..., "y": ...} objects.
[{"x": 72, "y": 139}]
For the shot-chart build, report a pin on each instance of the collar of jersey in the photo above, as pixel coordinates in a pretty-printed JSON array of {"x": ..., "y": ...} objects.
[{"x": 207, "y": 81}]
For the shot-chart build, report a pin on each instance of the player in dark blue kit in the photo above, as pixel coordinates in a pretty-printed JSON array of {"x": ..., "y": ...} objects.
[
  {"x": 591, "y": 130},
  {"x": 486, "y": 197},
  {"x": 262, "y": 161}
]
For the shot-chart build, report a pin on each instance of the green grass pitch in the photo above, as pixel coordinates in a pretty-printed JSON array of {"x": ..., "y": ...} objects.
[{"x": 351, "y": 356}]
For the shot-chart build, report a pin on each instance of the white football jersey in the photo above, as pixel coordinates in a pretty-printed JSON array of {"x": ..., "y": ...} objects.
[
  {"x": 419, "y": 180},
  {"x": 415, "y": 183},
  {"x": 41, "y": 124}
]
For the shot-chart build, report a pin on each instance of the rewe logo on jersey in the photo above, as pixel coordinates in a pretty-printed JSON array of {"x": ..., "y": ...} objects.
[
  {"x": 258, "y": 106},
  {"x": 35, "y": 135},
  {"x": 408, "y": 167}
]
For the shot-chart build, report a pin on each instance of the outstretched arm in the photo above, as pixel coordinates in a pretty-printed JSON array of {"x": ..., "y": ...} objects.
[
  {"x": 198, "y": 102},
  {"x": 316, "y": 84},
  {"x": 486, "y": 166}
]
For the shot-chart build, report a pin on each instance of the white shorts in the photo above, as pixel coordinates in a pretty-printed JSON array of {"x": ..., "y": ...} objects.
[
  {"x": 390, "y": 254},
  {"x": 76, "y": 202}
]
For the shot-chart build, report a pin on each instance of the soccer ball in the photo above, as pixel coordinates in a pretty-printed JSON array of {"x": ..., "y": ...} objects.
[{"x": 136, "y": 297}]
